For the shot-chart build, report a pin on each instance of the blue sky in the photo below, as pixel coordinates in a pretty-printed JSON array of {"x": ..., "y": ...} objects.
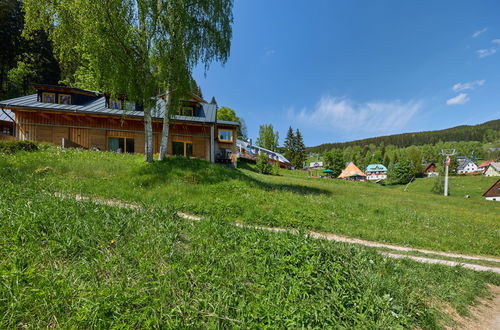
[{"x": 344, "y": 70}]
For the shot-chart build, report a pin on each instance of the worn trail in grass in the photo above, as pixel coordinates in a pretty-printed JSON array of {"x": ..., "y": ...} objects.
[
  {"x": 78, "y": 263},
  {"x": 414, "y": 219}
]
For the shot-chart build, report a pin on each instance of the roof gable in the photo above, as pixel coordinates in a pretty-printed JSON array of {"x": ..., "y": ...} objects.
[
  {"x": 351, "y": 170},
  {"x": 494, "y": 190}
]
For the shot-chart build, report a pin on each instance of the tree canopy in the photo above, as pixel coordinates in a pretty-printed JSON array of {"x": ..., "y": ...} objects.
[
  {"x": 225, "y": 113},
  {"x": 268, "y": 138},
  {"x": 134, "y": 47}
]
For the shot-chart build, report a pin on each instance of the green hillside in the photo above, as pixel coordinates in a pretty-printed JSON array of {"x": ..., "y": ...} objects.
[
  {"x": 76, "y": 263},
  {"x": 458, "y": 133}
]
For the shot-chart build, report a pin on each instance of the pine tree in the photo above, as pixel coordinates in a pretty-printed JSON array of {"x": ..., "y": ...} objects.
[
  {"x": 289, "y": 145},
  {"x": 300, "y": 151}
]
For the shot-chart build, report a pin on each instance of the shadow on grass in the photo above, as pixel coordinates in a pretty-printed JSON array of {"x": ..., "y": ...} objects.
[{"x": 196, "y": 171}]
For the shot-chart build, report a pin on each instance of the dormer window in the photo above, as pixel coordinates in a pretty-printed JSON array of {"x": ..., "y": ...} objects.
[
  {"x": 187, "y": 111},
  {"x": 64, "y": 99},
  {"x": 49, "y": 97}
]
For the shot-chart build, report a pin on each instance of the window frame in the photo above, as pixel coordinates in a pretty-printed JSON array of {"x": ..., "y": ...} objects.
[
  {"x": 120, "y": 102},
  {"x": 49, "y": 93},
  {"x": 59, "y": 99},
  {"x": 184, "y": 143},
  {"x": 225, "y": 130},
  {"x": 125, "y": 138}
]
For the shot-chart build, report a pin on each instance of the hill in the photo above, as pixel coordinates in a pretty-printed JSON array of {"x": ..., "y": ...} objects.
[
  {"x": 457, "y": 133},
  {"x": 68, "y": 260}
]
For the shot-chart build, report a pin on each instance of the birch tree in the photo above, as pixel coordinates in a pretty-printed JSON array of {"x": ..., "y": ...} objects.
[{"x": 139, "y": 48}]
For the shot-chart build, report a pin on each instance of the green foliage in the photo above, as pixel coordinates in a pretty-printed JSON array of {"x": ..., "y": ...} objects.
[
  {"x": 438, "y": 186},
  {"x": 268, "y": 138},
  {"x": 10, "y": 147},
  {"x": 23, "y": 61},
  {"x": 401, "y": 172},
  {"x": 225, "y": 113},
  {"x": 459, "y": 133},
  {"x": 263, "y": 165},
  {"x": 333, "y": 160},
  {"x": 104, "y": 266}
]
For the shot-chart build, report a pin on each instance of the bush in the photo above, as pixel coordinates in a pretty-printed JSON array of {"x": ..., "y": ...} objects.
[
  {"x": 438, "y": 186},
  {"x": 400, "y": 173},
  {"x": 10, "y": 147},
  {"x": 263, "y": 165}
]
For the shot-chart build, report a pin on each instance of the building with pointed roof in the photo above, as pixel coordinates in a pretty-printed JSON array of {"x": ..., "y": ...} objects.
[
  {"x": 352, "y": 172},
  {"x": 493, "y": 169},
  {"x": 493, "y": 193},
  {"x": 465, "y": 165}
]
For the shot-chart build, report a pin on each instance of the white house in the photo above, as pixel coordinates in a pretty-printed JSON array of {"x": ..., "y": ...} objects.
[
  {"x": 465, "y": 165},
  {"x": 376, "y": 172},
  {"x": 493, "y": 169}
]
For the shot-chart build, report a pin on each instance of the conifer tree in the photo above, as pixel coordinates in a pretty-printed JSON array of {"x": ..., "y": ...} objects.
[
  {"x": 289, "y": 144},
  {"x": 300, "y": 150}
]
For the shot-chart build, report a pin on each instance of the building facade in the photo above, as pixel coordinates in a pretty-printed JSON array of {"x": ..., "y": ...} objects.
[
  {"x": 376, "y": 172},
  {"x": 90, "y": 120}
]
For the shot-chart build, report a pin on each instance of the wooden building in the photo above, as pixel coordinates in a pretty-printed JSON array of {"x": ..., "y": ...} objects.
[{"x": 91, "y": 120}]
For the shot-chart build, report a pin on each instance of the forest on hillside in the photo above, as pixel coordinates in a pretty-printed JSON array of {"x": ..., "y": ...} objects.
[{"x": 482, "y": 132}]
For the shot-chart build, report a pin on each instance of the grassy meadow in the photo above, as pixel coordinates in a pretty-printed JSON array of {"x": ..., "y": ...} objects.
[
  {"x": 416, "y": 218},
  {"x": 78, "y": 264}
]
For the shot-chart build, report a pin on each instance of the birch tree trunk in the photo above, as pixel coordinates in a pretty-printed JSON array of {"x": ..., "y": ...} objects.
[
  {"x": 166, "y": 126},
  {"x": 148, "y": 136}
]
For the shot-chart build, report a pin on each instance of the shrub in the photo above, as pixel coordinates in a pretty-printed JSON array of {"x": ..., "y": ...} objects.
[
  {"x": 10, "y": 147},
  {"x": 263, "y": 165}
]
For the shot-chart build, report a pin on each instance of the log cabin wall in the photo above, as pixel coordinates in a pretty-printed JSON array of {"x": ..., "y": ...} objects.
[{"x": 90, "y": 131}]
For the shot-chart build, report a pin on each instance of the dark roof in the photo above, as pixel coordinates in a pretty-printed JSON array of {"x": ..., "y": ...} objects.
[
  {"x": 494, "y": 190},
  {"x": 98, "y": 106},
  {"x": 6, "y": 115},
  {"x": 463, "y": 161},
  {"x": 227, "y": 122}
]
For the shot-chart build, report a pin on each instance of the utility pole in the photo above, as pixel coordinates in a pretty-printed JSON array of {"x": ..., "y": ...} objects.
[{"x": 448, "y": 153}]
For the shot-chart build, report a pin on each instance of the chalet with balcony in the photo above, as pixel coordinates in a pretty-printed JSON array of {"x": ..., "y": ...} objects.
[
  {"x": 92, "y": 120},
  {"x": 375, "y": 172}
]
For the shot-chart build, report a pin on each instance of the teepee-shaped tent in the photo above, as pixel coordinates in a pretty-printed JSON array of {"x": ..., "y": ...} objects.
[{"x": 352, "y": 172}]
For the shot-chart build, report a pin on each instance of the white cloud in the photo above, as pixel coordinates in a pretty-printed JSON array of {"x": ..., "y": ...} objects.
[
  {"x": 346, "y": 115},
  {"x": 468, "y": 85},
  {"x": 270, "y": 52},
  {"x": 486, "y": 52},
  {"x": 461, "y": 98},
  {"x": 496, "y": 41},
  {"x": 479, "y": 32}
]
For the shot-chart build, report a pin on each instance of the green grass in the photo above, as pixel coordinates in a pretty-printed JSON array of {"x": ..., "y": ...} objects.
[
  {"x": 416, "y": 218},
  {"x": 71, "y": 264}
]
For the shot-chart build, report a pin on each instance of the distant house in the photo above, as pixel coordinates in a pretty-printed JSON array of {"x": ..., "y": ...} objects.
[
  {"x": 315, "y": 165},
  {"x": 465, "y": 165},
  {"x": 376, "y": 172},
  {"x": 493, "y": 169},
  {"x": 352, "y": 172},
  {"x": 249, "y": 151},
  {"x": 100, "y": 121},
  {"x": 493, "y": 193},
  {"x": 430, "y": 170},
  {"x": 482, "y": 167}
]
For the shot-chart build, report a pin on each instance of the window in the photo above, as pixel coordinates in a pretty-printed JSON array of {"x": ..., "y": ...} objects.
[
  {"x": 115, "y": 104},
  {"x": 7, "y": 130},
  {"x": 225, "y": 135},
  {"x": 64, "y": 99},
  {"x": 120, "y": 145},
  {"x": 48, "y": 97},
  {"x": 187, "y": 111},
  {"x": 181, "y": 148},
  {"x": 129, "y": 106}
]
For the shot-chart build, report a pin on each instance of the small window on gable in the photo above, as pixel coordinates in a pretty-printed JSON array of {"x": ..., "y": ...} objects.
[
  {"x": 225, "y": 135},
  {"x": 48, "y": 97},
  {"x": 64, "y": 99}
]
